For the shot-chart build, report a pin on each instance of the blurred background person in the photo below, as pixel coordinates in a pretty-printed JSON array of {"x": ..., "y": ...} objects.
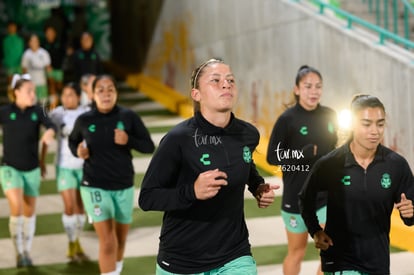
[{"x": 36, "y": 62}]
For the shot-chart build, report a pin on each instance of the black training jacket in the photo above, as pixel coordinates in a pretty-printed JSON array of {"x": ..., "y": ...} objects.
[
  {"x": 291, "y": 145},
  {"x": 196, "y": 235},
  {"x": 109, "y": 165},
  {"x": 359, "y": 207},
  {"x": 21, "y": 130}
]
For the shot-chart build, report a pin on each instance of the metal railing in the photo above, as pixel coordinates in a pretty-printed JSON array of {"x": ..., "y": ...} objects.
[
  {"x": 401, "y": 10},
  {"x": 351, "y": 20}
]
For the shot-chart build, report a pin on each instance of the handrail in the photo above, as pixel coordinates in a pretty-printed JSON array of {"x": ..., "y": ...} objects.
[
  {"x": 408, "y": 6},
  {"x": 351, "y": 19},
  {"x": 408, "y": 10}
]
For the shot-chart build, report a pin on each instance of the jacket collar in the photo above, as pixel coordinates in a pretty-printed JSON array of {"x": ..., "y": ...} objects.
[{"x": 350, "y": 159}]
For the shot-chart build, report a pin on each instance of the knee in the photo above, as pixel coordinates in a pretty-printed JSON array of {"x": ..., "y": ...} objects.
[{"x": 108, "y": 245}]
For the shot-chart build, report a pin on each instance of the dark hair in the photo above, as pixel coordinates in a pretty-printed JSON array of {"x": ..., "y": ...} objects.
[
  {"x": 363, "y": 101},
  {"x": 103, "y": 76},
  {"x": 197, "y": 73},
  {"x": 303, "y": 71},
  {"x": 73, "y": 86},
  {"x": 17, "y": 85}
]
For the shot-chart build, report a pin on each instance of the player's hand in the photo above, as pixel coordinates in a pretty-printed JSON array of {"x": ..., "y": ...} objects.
[
  {"x": 48, "y": 136},
  {"x": 209, "y": 183},
  {"x": 322, "y": 240},
  {"x": 405, "y": 206},
  {"x": 265, "y": 195},
  {"x": 83, "y": 151},
  {"x": 121, "y": 137}
]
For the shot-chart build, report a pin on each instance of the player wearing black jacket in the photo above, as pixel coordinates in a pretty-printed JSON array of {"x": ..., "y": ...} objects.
[
  {"x": 301, "y": 135},
  {"x": 198, "y": 177},
  {"x": 363, "y": 180},
  {"x": 19, "y": 172},
  {"x": 104, "y": 137},
  {"x": 292, "y": 145}
]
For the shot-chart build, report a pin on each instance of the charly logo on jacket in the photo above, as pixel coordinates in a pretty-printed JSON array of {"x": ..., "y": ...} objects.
[
  {"x": 386, "y": 181},
  {"x": 346, "y": 180},
  {"x": 92, "y": 128},
  {"x": 205, "y": 159},
  {"x": 247, "y": 155},
  {"x": 303, "y": 130}
]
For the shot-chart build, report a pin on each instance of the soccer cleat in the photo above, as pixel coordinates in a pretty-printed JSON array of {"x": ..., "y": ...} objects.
[
  {"x": 20, "y": 261},
  {"x": 80, "y": 254},
  {"x": 71, "y": 254},
  {"x": 27, "y": 260}
]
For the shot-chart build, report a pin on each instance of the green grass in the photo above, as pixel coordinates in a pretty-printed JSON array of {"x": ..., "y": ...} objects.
[
  {"x": 162, "y": 112},
  {"x": 135, "y": 265},
  {"x": 159, "y": 129},
  {"x": 251, "y": 210}
]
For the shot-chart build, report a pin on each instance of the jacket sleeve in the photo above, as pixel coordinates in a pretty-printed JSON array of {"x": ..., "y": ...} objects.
[
  {"x": 161, "y": 189},
  {"x": 308, "y": 197},
  {"x": 254, "y": 179},
  {"x": 406, "y": 187},
  {"x": 75, "y": 137},
  {"x": 279, "y": 143},
  {"x": 45, "y": 120},
  {"x": 139, "y": 138}
]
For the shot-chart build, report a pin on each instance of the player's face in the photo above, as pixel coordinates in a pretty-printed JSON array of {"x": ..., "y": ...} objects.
[
  {"x": 34, "y": 43},
  {"x": 26, "y": 95},
  {"x": 368, "y": 127},
  {"x": 69, "y": 98},
  {"x": 105, "y": 95},
  {"x": 309, "y": 91},
  {"x": 217, "y": 90},
  {"x": 86, "y": 41},
  {"x": 50, "y": 34}
]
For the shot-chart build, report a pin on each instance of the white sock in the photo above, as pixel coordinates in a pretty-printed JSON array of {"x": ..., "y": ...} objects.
[
  {"x": 69, "y": 224},
  {"x": 16, "y": 232},
  {"x": 119, "y": 266},
  {"x": 29, "y": 228},
  {"x": 111, "y": 273},
  {"x": 80, "y": 223}
]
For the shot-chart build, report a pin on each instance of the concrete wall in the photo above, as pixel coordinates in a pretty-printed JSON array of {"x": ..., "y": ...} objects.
[{"x": 266, "y": 41}]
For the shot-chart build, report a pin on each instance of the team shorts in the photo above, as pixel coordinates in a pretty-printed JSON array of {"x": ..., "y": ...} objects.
[
  {"x": 42, "y": 92},
  {"x": 345, "y": 272},
  {"x": 56, "y": 75},
  {"x": 102, "y": 205},
  {"x": 29, "y": 181},
  {"x": 294, "y": 222},
  {"x": 245, "y": 265},
  {"x": 68, "y": 178}
]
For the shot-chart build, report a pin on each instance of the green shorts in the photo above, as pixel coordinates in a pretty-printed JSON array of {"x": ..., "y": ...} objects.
[
  {"x": 56, "y": 75},
  {"x": 345, "y": 272},
  {"x": 294, "y": 222},
  {"x": 244, "y": 265},
  {"x": 41, "y": 92},
  {"x": 102, "y": 205},
  {"x": 68, "y": 178},
  {"x": 29, "y": 181}
]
